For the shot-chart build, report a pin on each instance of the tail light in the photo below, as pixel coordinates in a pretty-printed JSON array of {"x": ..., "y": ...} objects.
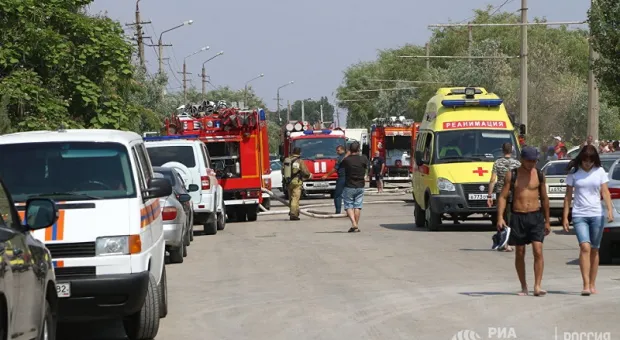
[
  {"x": 169, "y": 213},
  {"x": 250, "y": 194},
  {"x": 205, "y": 182},
  {"x": 615, "y": 193}
]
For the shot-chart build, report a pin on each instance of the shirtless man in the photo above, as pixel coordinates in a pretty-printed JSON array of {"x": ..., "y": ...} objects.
[{"x": 527, "y": 223}]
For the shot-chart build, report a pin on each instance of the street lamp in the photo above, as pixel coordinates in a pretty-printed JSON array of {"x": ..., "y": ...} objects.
[
  {"x": 161, "y": 45},
  {"x": 185, "y": 70},
  {"x": 204, "y": 72},
  {"x": 278, "y": 98},
  {"x": 245, "y": 94}
]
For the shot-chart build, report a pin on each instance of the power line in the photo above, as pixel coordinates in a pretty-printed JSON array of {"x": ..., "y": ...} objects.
[{"x": 502, "y": 5}]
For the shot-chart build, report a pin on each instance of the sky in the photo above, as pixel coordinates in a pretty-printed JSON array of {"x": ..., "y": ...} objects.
[{"x": 310, "y": 43}]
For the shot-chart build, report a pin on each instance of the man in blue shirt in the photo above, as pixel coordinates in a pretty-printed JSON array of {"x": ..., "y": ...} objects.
[{"x": 341, "y": 176}]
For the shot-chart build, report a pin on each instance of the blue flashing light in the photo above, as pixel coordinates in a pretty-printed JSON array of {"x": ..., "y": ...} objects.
[
  {"x": 262, "y": 115},
  {"x": 317, "y": 132},
  {"x": 162, "y": 138},
  {"x": 471, "y": 102}
]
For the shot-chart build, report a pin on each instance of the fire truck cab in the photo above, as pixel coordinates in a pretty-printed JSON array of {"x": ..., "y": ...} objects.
[
  {"x": 393, "y": 138},
  {"x": 318, "y": 151},
  {"x": 237, "y": 148}
]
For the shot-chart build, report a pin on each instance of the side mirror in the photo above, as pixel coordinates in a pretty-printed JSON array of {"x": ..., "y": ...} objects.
[
  {"x": 40, "y": 213},
  {"x": 418, "y": 158},
  {"x": 193, "y": 187},
  {"x": 184, "y": 197},
  {"x": 158, "y": 187}
]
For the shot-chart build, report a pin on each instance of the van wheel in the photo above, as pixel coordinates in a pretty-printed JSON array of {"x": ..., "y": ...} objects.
[
  {"x": 251, "y": 213},
  {"x": 144, "y": 324},
  {"x": 211, "y": 227},
  {"x": 418, "y": 215},
  {"x": 221, "y": 219},
  {"x": 163, "y": 294},
  {"x": 432, "y": 220},
  {"x": 176, "y": 255},
  {"x": 48, "y": 331}
]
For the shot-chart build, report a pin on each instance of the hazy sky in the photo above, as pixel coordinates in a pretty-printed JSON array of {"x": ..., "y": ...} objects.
[{"x": 311, "y": 43}]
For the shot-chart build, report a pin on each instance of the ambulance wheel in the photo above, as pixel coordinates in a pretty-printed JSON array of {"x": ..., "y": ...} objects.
[
  {"x": 221, "y": 219},
  {"x": 144, "y": 324},
  {"x": 163, "y": 293},
  {"x": 251, "y": 213},
  {"x": 418, "y": 216},
  {"x": 432, "y": 220}
]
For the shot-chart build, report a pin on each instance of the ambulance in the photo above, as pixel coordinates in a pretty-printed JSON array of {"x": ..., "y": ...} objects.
[{"x": 459, "y": 138}]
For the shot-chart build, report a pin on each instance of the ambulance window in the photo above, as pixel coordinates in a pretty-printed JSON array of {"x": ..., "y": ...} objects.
[
  {"x": 428, "y": 144},
  {"x": 6, "y": 214}
]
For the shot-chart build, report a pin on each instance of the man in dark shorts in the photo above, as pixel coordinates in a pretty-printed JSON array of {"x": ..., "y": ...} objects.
[
  {"x": 378, "y": 167},
  {"x": 527, "y": 223}
]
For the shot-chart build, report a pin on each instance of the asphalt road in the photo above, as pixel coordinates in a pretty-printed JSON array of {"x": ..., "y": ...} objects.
[{"x": 276, "y": 279}]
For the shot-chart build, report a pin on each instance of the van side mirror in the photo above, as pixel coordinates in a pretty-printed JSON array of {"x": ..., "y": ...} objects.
[
  {"x": 193, "y": 188},
  {"x": 184, "y": 198},
  {"x": 418, "y": 158},
  {"x": 158, "y": 187},
  {"x": 40, "y": 213}
]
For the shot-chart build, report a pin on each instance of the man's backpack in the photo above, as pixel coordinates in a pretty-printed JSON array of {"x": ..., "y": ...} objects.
[{"x": 513, "y": 181}]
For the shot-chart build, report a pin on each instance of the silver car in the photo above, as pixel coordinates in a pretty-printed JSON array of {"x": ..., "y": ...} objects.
[
  {"x": 176, "y": 221},
  {"x": 610, "y": 245},
  {"x": 555, "y": 177}
]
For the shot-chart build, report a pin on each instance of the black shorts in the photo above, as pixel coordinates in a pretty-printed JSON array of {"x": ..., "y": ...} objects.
[{"x": 526, "y": 228}]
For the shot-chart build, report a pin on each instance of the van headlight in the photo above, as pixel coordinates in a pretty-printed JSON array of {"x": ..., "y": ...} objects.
[
  {"x": 115, "y": 245},
  {"x": 445, "y": 185}
]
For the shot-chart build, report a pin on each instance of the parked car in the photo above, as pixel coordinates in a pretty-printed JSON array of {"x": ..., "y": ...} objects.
[
  {"x": 191, "y": 159},
  {"x": 610, "y": 245},
  {"x": 607, "y": 159},
  {"x": 555, "y": 178},
  {"x": 29, "y": 303},
  {"x": 176, "y": 214},
  {"x": 276, "y": 175}
]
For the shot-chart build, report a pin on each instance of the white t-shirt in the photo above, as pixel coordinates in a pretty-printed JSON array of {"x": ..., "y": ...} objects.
[{"x": 587, "y": 191}]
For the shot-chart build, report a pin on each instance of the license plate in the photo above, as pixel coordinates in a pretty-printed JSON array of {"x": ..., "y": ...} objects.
[
  {"x": 480, "y": 197},
  {"x": 321, "y": 184},
  {"x": 63, "y": 290},
  {"x": 557, "y": 189}
]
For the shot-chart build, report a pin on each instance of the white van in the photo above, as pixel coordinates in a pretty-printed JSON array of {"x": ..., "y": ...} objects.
[
  {"x": 191, "y": 159},
  {"x": 107, "y": 245}
]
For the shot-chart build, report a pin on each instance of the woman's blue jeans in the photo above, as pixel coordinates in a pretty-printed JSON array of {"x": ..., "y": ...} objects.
[{"x": 338, "y": 195}]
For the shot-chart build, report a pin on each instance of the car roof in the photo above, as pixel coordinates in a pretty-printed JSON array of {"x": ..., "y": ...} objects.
[
  {"x": 70, "y": 135},
  {"x": 171, "y": 142},
  {"x": 612, "y": 155}
]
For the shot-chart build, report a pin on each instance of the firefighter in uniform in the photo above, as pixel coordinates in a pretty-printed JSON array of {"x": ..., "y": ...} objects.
[{"x": 294, "y": 172}]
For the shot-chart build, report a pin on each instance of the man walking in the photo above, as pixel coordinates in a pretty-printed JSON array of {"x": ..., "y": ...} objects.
[
  {"x": 295, "y": 171},
  {"x": 378, "y": 167},
  {"x": 500, "y": 167},
  {"x": 355, "y": 168},
  {"x": 527, "y": 223},
  {"x": 341, "y": 176}
]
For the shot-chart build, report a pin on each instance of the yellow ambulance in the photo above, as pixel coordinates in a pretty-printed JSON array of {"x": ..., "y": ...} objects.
[{"x": 460, "y": 136}]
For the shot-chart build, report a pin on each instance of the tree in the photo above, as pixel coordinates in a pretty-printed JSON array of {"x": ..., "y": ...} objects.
[
  {"x": 60, "y": 65},
  {"x": 604, "y": 18}
]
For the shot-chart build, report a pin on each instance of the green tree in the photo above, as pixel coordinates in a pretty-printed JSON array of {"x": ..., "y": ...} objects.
[{"x": 604, "y": 18}]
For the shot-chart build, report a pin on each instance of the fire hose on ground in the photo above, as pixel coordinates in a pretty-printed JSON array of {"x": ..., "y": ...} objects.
[{"x": 306, "y": 209}]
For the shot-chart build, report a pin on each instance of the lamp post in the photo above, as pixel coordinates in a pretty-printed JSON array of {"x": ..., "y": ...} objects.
[
  {"x": 278, "y": 98},
  {"x": 161, "y": 45},
  {"x": 204, "y": 72},
  {"x": 185, "y": 70},
  {"x": 245, "y": 93}
]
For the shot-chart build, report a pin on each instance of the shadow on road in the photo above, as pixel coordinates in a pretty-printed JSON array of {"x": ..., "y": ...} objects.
[
  {"x": 332, "y": 232},
  {"x": 478, "y": 294},
  {"x": 443, "y": 228},
  {"x": 402, "y": 226}
]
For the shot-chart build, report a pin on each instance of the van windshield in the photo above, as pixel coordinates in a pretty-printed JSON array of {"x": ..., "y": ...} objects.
[
  {"x": 471, "y": 145},
  {"x": 67, "y": 170}
]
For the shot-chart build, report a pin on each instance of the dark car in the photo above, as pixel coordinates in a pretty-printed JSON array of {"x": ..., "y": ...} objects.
[
  {"x": 178, "y": 188},
  {"x": 28, "y": 297}
]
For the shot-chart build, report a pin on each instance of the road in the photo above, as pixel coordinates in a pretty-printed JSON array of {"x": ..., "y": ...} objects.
[{"x": 276, "y": 279}]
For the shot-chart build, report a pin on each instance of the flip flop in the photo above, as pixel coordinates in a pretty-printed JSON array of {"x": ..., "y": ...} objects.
[
  {"x": 540, "y": 293},
  {"x": 354, "y": 230},
  {"x": 585, "y": 292}
]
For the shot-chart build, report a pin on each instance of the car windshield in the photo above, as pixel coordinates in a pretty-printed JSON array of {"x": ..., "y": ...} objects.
[
  {"x": 616, "y": 174},
  {"x": 556, "y": 169},
  {"x": 607, "y": 163},
  {"x": 67, "y": 170},
  {"x": 316, "y": 148},
  {"x": 161, "y": 155},
  {"x": 276, "y": 166},
  {"x": 471, "y": 145}
]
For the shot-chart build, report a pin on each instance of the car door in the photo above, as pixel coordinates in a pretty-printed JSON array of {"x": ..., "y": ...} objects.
[{"x": 19, "y": 288}]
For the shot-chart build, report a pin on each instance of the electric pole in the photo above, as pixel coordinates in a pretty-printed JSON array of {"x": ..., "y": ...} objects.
[
  {"x": 288, "y": 111},
  {"x": 204, "y": 81},
  {"x": 523, "y": 80},
  {"x": 139, "y": 34},
  {"x": 593, "y": 95}
]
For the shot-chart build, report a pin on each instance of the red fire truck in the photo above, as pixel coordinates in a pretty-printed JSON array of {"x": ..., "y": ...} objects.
[
  {"x": 237, "y": 148},
  {"x": 318, "y": 151},
  {"x": 394, "y": 139}
]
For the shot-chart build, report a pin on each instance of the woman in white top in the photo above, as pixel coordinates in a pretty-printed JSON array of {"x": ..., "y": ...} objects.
[{"x": 588, "y": 180}]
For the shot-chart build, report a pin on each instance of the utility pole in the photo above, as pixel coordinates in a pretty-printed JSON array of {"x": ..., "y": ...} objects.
[
  {"x": 278, "y": 104},
  {"x": 139, "y": 34},
  {"x": 593, "y": 92},
  {"x": 288, "y": 111},
  {"x": 470, "y": 40},
  {"x": 428, "y": 53},
  {"x": 185, "y": 73},
  {"x": 303, "y": 111},
  {"x": 523, "y": 80},
  {"x": 321, "y": 108},
  {"x": 204, "y": 81}
]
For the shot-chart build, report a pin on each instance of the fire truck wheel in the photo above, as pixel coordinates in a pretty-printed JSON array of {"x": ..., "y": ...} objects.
[{"x": 252, "y": 213}]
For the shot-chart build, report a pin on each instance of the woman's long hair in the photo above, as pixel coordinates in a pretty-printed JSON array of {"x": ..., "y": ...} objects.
[{"x": 588, "y": 152}]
